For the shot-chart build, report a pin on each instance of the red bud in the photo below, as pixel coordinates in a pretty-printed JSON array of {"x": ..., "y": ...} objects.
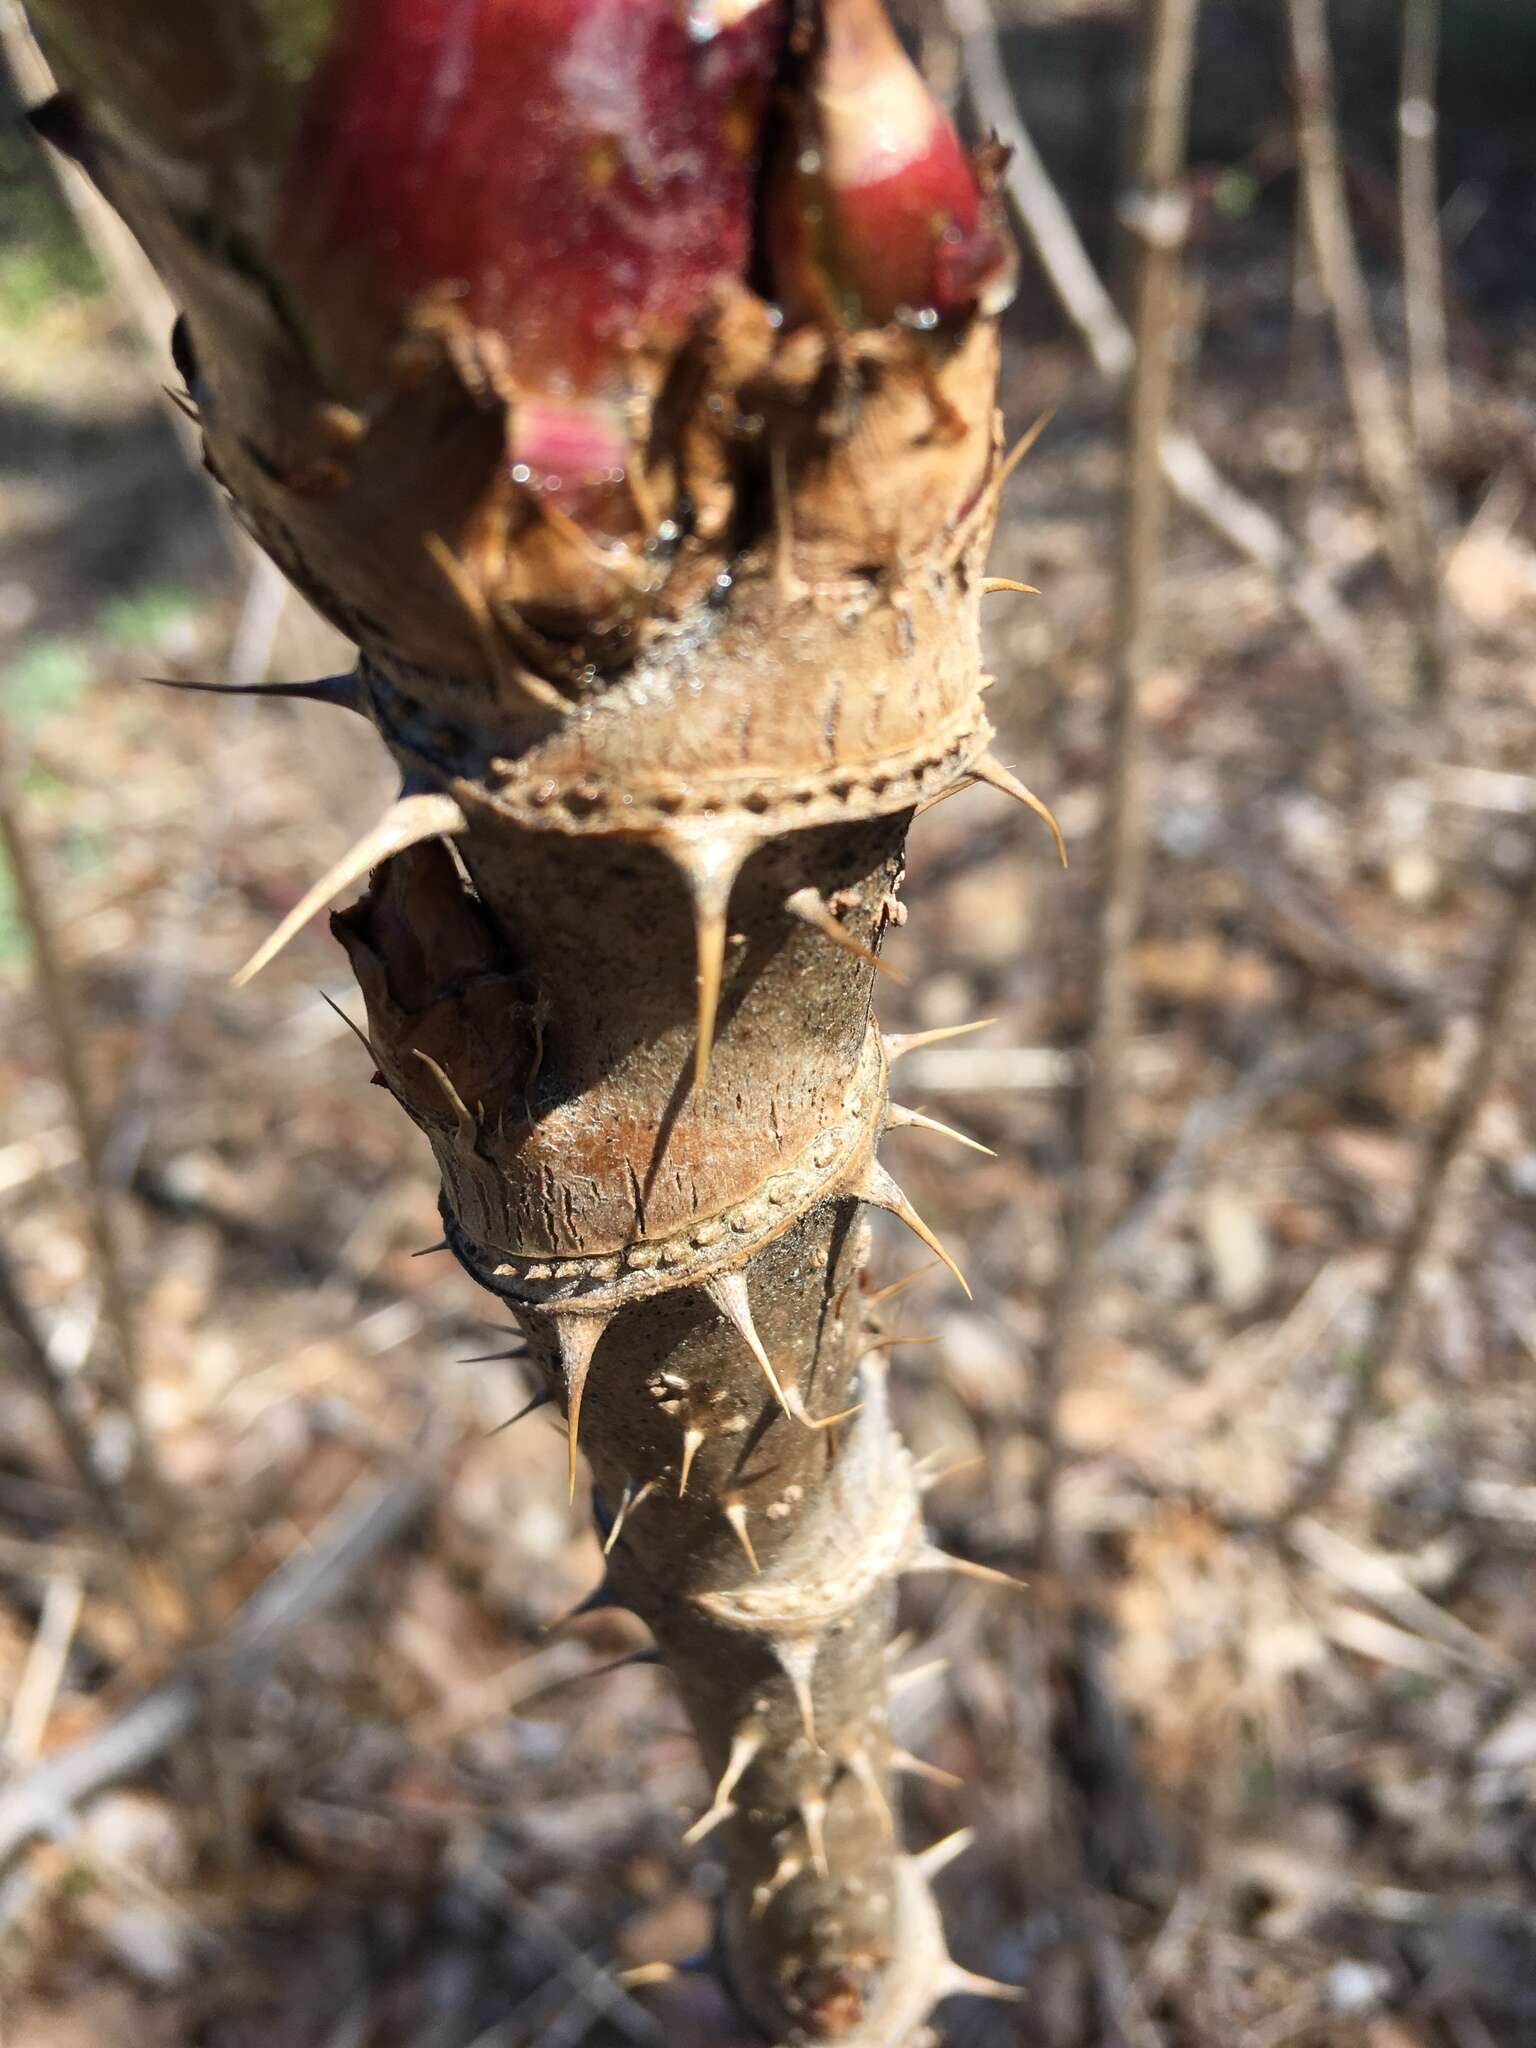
[{"x": 876, "y": 211}]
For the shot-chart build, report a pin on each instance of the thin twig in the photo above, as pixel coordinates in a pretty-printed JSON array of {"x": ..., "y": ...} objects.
[
  {"x": 1156, "y": 211},
  {"x": 1457, "y": 1120},
  {"x": 249, "y": 659},
  {"x": 37, "y": 1365},
  {"x": 1241, "y": 523},
  {"x": 1429, "y": 388},
  {"x": 1385, "y": 453},
  {"x": 374, "y": 1515},
  {"x": 59, "y": 1010}
]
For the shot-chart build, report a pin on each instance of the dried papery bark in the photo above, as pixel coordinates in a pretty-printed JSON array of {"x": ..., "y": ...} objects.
[{"x": 621, "y": 380}]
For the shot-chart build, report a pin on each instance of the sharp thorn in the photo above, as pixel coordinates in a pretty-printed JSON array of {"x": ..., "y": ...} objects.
[
  {"x": 693, "y": 1439},
  {"x": 813, "y": 1814},
  {"x": 541, "y": 1399},
  {"x": 744, "y": 1748},
  {"x": 344, "y": 692},
  {"x": 736, "y": 1515},
  {"x": 861, "y": 1764},
  {"x": 992, "y": 771},
  {"x": 631, "y": 1498},
  {"x": 1021, "y": 448},
  {"x": 408, "y": 821},
  {"x": 930, "y": 1475},
  {"x": 728, "y": 1292},
  {"x": 797, "y": 1660},
  {"x": 899, "y": 1043},
  {"x": 919, "y": 1674},
  {"x": 894, "y": 1287},
  {"x": 604, "y": 1670},
  {"x": 931, "y": 1559},
  {"x": 493, "y": 1357},
  {"x": 427, "y": 1250},
  {"x": 811, "y": 908},
  {"x": 990, "y": 585},
  {"x": 877, "y": 1186},
  {"x": 356, "y": 1029},
  {"x": 796, "y": 1404},
  {"x": 900, "y": 1118},
  {"x": 939, "y": 1855},
  {"x": 918, "y": 1767},
  {"x": 788, "y": 1867},
  {"x": 578, "y": 1337},
  {"x": 708, "y": 864},
  {"x": 895, "y": 1343},
  {"x": 957, "y": 1983}
]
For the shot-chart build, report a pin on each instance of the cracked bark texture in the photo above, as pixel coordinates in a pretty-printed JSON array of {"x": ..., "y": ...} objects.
[{"x": 620, "y": 378}]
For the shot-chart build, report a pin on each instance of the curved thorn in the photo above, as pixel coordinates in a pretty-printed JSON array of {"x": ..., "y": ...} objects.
[
  {"x": 990, "y": 585},
  {"x": 736, "y": 1515},
  {"x": 728, "y": 1293},
  {"x": 541, "y": 1399},
  {"x": 812, "y": 909},
  {"x": 693, "y": 1439},
  {"x": 788, "y": 1867},
  {"x": 708, "y": 864},
  {"x": 919, "y": 1767},
  {"x": 939, "y": 1855},
  {"x": 992, "y": 771},
  {"x": 876, "y": 1186},
  {"x": 428, "y": 814},
  {"x": 861, "y": 1764},
  {"x": 796, "y": 1404},
  {"x": 744, "y": 1748},
  {"x": 632, "y": 1498},
  {"x": 797, "y": 1660},
  {"x": 899, "y": 1043},
  {"x": 899, "y": 1118},
  {"x": 813, "y": 1814},
  {"x": 356, "y": 1030},
  {"x": 578, "y": 1337},
  {"x": 894, "y": 1287},
  {"x": 467, "y": 1125},
  {"x": 957, "y": 1983},
  {"x": 344, "y": 692},
  {"x": 966, "y": 781}
]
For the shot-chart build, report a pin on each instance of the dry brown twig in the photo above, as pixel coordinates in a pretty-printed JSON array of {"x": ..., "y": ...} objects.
[
  {"x": 60, "y": 1011},
  {"x": 374, "y": 1515},
  {"x": 1238, "y": 520},
  {"x": 1429, "y": 385},
  {"x": 1457, "y": 1120},
  {"x": 1156, "y": 212},
  {"x": 1386, "y": 453}
]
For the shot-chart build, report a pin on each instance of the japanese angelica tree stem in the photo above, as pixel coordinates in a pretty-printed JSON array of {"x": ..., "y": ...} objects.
[{"x": 645, "y": 444}]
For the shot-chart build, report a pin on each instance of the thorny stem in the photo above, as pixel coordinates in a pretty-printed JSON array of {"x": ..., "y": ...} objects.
[{"x": 667, "y": 601}]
